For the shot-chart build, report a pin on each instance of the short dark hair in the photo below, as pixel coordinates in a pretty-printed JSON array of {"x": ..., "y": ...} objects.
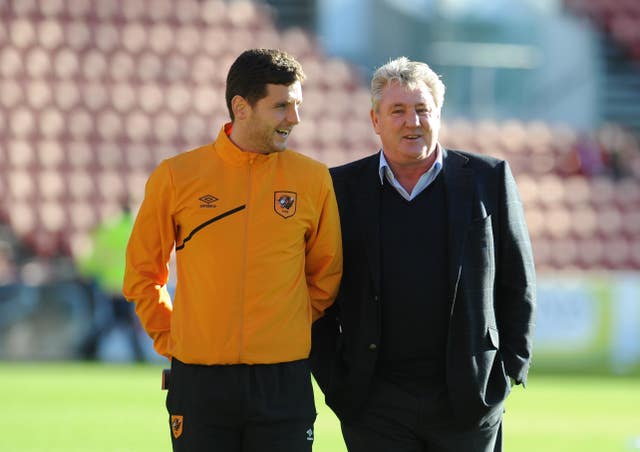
[{"x": 254, "y": 69}]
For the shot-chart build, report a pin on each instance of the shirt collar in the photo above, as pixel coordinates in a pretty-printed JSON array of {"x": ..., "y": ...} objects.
[
  {"x": 230, "y": 153},
  {"x": 385, "y": 169}
]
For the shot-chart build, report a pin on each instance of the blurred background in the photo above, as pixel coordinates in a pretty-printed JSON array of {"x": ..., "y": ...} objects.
[{"x": 94, "y": 94}]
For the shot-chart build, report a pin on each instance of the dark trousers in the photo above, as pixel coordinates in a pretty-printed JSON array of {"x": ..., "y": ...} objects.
[
  {"x": 243, "y": 408},
  {"x": 398, "y": 421}
]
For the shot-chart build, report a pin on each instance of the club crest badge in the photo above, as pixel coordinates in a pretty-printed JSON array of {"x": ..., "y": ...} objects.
[
  {"x": 285, "y": 203},
  {"x": 176, "y": 426}
]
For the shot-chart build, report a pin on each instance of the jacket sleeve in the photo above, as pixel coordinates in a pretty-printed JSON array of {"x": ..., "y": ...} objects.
[
  {"x": 516, "y": 283},
  {"x": 323, "y": 265},
  {"x": 147, "y": 260}
]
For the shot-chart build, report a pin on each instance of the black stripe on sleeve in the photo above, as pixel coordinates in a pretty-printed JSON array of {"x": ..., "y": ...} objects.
[{"x": 207, "y": 223}]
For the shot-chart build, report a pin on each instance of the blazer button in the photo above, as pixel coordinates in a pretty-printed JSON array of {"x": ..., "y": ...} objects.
[
  {"x": 372, "y": 347},
  {"x": 376, "y": 298}
]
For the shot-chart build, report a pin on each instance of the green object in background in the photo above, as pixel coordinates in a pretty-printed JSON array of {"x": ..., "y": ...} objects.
[{"x": 105, "y": 262}]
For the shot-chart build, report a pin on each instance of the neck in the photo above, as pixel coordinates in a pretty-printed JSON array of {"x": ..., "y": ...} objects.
[
  {"x": 408, "y": 174},
  {"x": 238, "y": 137}
]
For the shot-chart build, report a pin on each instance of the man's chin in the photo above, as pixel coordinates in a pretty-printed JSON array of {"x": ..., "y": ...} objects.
[
  {"x": 417, "y": 149},
  {"x": 279, "y": 145}
]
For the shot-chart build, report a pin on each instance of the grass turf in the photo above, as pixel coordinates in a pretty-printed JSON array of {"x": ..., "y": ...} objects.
[{"x": 99, "y": 408}]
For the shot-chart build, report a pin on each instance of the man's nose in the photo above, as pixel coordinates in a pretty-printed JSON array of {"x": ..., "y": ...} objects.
[
  {"x": 413, "y": 119},
  {"x": 294, "y": 115}
]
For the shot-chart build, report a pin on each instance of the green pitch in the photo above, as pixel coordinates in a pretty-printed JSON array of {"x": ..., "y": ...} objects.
[{"x": 100, "y": 408}]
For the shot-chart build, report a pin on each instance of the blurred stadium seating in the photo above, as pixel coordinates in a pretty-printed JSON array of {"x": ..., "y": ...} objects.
[{"x": 94, "y": 94}]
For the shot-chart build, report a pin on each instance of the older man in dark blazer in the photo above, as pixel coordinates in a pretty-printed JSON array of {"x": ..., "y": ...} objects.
[{"x": 435, "y": 315}]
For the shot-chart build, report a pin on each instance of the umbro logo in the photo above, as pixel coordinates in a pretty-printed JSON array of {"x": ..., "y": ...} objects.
[
  {"x": 208, "y": 201},
  {"x": 310, "y": 434}
]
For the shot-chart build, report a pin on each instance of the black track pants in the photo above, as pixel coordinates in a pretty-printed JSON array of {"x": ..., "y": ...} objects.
[{"x": 243, "y": 408}]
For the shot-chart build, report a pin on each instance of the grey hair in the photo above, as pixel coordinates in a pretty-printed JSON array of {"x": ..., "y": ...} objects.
[{"x": 407, "y": 73}]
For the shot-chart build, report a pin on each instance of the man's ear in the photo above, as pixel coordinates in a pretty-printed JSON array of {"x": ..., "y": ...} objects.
[
  {"x": 240, "y": 107},
  {"x": 374, "y": 120}
]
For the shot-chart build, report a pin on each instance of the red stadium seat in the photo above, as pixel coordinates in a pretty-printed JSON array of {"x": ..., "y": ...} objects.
[
  {"x": 602, "y": 192},
  {"x": 609, "y": 222},
  {"x": 634, "y": 253},
  {"x": 551, "y": 190},
  {"x": 615, "y": 253},
  {"x": 627, "y": 194},
  {"x": 81, "y": 185},
  {"x": 563, "y": 253},
  {"x": 50, "y": 185},
  {"x": 631, "y": 222},
  {"x": 83, "y": 216},
  {"x": 577, "y": 190},
  {"x": 21, "y": 185},
  {"x": 542, "y": 253},
  {"x": 558, "y": 222},
  {"x": 590, "y": 253},
  {"x": 535, "y": 221},
  {"x": 585, "y": 221}
]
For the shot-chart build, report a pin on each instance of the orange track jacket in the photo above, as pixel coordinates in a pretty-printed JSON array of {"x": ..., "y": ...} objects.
[{"x": 258, "y": 254}]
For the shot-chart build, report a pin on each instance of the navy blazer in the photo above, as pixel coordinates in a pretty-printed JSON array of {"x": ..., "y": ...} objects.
[{"x": 492, "y": 288}]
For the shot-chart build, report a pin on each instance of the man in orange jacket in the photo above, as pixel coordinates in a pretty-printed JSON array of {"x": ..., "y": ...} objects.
[{"x": 257, "y": 242}]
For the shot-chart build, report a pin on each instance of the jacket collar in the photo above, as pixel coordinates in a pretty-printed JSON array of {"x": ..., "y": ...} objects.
[{"x": 232, "y": 154}]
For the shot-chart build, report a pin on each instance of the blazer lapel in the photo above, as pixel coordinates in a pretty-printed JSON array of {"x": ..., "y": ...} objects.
[
  {"x": 459, "y": 191},
  {"x": 367, "y": 187}
]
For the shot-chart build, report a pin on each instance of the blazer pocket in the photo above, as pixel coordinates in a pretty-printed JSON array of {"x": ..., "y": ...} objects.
[{"x": 487, "y": 341}]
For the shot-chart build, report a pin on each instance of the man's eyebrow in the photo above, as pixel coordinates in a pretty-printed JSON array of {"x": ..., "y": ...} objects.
[
  {"x": 418, "y": 104},
  {"x": 288, "y": 101}
]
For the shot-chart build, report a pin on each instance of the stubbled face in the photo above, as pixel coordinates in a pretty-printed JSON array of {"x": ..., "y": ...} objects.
[
  {"x": 272, "y": 118},
  {"x": 408, "y": 124}
]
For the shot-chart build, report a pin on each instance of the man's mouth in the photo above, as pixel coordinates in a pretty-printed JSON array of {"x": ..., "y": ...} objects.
[
  {"x": 284, "y": 133},
  {"x": 412, "y": 137}
]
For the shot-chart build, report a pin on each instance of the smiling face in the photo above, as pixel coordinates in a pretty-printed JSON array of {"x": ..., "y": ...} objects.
[
  {"x": 408, "y": 124},
  {"x": 266, "y": 126}
]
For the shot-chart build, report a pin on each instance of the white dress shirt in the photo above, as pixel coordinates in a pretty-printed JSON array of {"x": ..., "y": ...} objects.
[{"x": 424, "y": 181}]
